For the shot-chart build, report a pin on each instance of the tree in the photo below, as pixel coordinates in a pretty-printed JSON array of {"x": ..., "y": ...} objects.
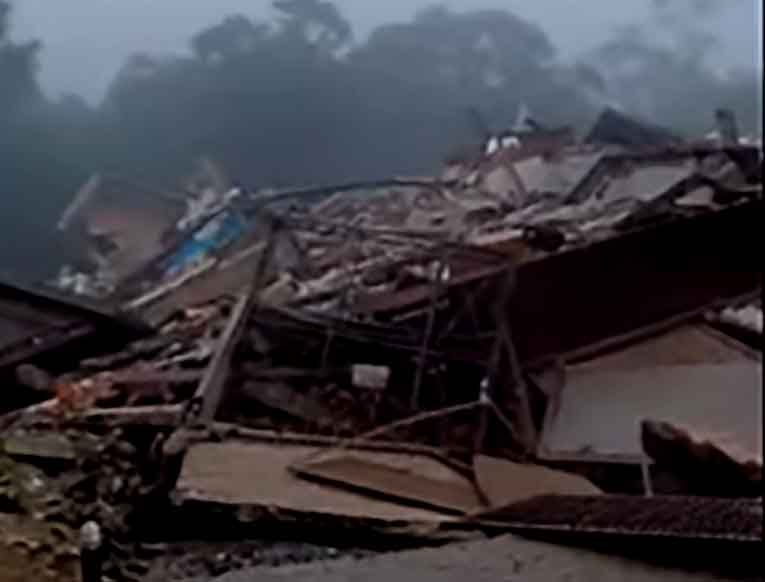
[
  {"x": 490, "y": 59},
  {"x": 38, "y": 163},
  {"x": 234, "y": 36},
  {"x": 317, "y": 23},
  {"x": 293, "y": 102},
  {"x": 672, "y": 83},
  {"x": 17, "y": 68}
]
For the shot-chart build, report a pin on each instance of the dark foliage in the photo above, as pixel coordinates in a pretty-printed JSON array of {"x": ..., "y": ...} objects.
[{"x": 296, "y": 101}]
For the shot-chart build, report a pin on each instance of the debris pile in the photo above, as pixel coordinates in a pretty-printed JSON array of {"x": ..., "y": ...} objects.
[
  {"x": 99, "y": 477},
  {"x": 409, "y": 359},
  {"x": 148, "y": 378}
]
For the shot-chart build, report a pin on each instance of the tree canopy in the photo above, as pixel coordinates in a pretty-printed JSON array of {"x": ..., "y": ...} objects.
[{"x": 299, "y": 100}]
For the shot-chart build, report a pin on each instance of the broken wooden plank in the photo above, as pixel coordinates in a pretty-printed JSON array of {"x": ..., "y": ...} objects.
[
  {"x": 210, "y": 390},
  {"x": 327, "y": 443},
  {"x": 441, "y": 490},
  {"x": 155, "y": 376},
  {"x": 163, "y": 415},
  {"x": 44, "y": 445},
  {"x": 258, "y": 475},
  {"x": 504, "y": 482}
]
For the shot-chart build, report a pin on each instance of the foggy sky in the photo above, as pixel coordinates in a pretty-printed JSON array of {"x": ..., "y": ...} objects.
[{"x": 85, "y": 41}]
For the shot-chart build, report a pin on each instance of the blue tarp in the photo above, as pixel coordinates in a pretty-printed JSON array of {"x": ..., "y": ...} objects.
[{"x": 214, "y": 234}]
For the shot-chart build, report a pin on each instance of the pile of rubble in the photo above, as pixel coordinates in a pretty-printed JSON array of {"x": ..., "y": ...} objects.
[{"x": 376, "y": 365}]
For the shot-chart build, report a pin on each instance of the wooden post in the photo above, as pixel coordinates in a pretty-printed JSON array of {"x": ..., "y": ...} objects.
[
  {"x": 647, "y": 485},
  {"x": 442, "y": 276}
]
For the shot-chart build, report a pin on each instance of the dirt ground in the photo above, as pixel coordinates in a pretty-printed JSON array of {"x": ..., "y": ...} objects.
[
  {"x": 507, "y": 558},
  {"x": 29, "y": 552}
]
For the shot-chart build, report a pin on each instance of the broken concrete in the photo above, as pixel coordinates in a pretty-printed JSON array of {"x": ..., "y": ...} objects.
[{"x": 419, "y": 311}]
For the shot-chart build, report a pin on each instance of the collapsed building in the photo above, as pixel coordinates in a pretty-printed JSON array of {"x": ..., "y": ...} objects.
[{"x": 544, "y": 329}]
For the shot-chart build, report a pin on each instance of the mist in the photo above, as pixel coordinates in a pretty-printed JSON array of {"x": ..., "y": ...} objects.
[{"x": 299, "y": 92}]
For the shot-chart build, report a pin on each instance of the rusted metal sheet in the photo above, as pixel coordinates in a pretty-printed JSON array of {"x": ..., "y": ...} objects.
[
  {"x": 695, "y": 518},
  {"x": 568, "y": 301}
]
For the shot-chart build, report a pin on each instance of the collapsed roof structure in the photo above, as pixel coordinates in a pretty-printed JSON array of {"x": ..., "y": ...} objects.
[{"x": 398, "y": 352}]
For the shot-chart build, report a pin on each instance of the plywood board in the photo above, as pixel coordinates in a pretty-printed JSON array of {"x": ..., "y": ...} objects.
[
  {"x": 258, "y": 474},
  {"x": 504, "y": 482},
  {"x": 411, "y": 483}
]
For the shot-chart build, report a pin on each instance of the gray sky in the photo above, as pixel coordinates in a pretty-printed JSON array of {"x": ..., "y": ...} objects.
[{"x": 86, "y": 40}]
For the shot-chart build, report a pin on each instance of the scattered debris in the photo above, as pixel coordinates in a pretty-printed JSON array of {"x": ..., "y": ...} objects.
[
  {"x": 402, "y": 359},
  {"x": 706, "y": 467}
]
